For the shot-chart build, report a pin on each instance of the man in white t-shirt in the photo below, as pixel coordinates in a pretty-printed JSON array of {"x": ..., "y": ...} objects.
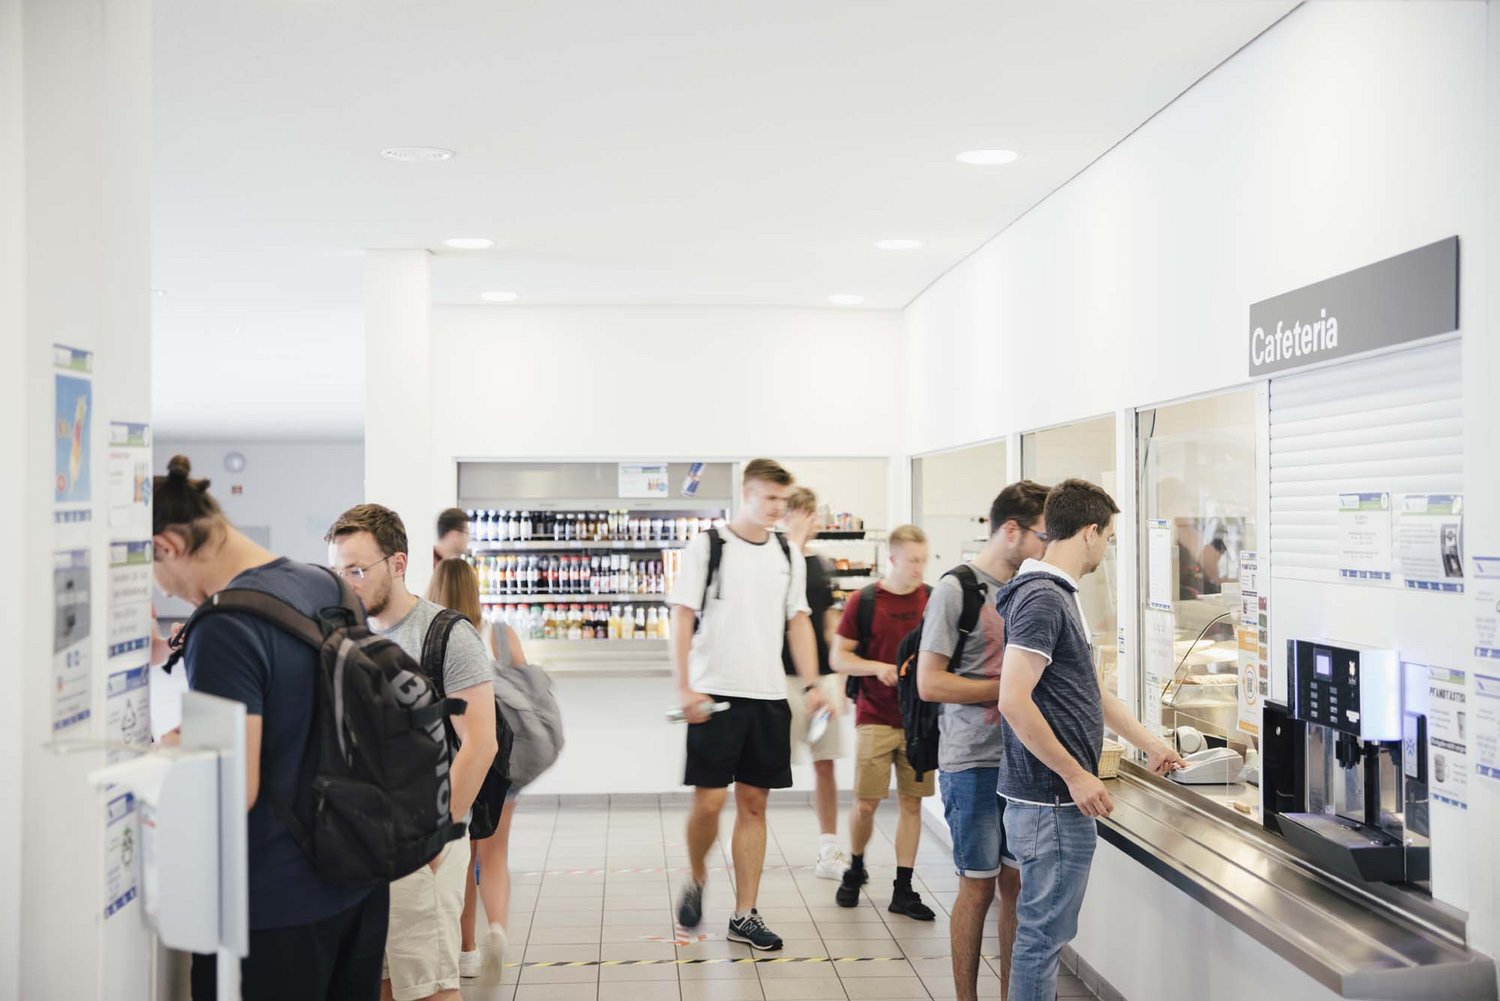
[{"x": 740, "y": 595}]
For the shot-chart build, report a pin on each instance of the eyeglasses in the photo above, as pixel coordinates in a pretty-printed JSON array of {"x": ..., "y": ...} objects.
[
  {"x": 1040, "y": 535},
  {"x": 358, "y": 573}
]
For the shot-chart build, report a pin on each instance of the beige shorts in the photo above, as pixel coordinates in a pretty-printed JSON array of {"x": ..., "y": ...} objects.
[
  {"x": 422, "y": 944},
  {"x": 877, "y": 749},
  {"x": 830, "y": 746}
]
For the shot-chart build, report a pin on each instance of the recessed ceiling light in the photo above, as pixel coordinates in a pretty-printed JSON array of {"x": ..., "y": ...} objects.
[
  {"x": 988, "y": 157},
  {"x": 417, "y": 154},
  {"x": 499, "y": 296},
  {"x": 898, "y": 244},
  {"x": 469, "y": 243},
  {"x": 846, "y": 299}
]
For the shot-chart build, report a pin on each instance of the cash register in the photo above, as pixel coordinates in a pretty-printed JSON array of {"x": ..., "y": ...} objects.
[{"x": 1344, "y": 765}]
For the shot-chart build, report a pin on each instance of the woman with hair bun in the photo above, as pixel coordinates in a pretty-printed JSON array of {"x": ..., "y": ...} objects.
[{"x": 309, "y": 939}]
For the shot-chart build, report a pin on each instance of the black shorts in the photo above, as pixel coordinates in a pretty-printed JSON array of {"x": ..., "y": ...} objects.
[{"x": 750, "y": 742}]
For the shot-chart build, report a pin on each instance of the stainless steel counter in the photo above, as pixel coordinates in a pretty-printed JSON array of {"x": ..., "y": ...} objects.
[{"x": 1363, "y": 942}]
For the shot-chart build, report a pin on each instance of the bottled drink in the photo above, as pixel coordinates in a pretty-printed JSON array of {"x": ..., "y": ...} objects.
[
  {"x": 651, "y": 624},
  {"x": 640, "y": 623},
  {"x": 526, "y": 526}
]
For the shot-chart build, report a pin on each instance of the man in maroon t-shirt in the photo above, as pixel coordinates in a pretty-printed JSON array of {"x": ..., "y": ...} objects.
[{"x": 900, "y": 599}]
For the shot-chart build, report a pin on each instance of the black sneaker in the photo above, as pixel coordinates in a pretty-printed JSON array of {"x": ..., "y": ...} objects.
[
  {"x": 909, "y": 902},
  {"x": 848, "y": 891},
  {"x": 752, "y": 931},
  {"x": 690, "y": 904}
]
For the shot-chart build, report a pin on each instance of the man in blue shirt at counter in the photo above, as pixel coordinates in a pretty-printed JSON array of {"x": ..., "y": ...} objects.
[{"x": 1056, "y": 709}]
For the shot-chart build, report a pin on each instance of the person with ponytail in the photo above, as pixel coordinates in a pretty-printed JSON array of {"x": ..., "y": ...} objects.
[
  {"x": 455, "y": 585},
  {"x": 309, "y": 940}
]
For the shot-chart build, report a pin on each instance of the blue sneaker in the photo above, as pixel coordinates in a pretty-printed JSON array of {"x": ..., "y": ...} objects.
[
  {"x": 690, "y": 905},
  {"x": 752, "y": 931}
]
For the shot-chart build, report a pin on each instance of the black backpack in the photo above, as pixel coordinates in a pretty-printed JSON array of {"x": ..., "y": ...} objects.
[
  {"x": 484, "y": 816},
  {"x": 716, "y": 557},
  {"x": 919, "y": 718},
  {"x": 374, "y": 802},
  {"x": 866, "y": 619}
]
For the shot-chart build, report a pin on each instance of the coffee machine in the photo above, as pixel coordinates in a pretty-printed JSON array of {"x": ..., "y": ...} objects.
[{"x": 1344, "y": 765}]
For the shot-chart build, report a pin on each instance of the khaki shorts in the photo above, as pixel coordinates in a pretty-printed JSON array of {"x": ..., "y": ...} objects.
[
  {"x": 830, "y": 746},
  {"x": 422, "y": 943},
  {"x": 877, "y": 748}
]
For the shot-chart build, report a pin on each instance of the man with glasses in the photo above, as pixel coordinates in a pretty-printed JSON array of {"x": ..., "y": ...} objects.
[
  {"x": 961, "y": 671},
  {"x": 367, "y": 547},
  {"x": 1056, "y": 709}
]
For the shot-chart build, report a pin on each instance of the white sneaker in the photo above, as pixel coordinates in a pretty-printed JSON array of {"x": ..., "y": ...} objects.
[
  {"x": 470, "y": 963},
  {"x": 831, "y": 863},
  {"x": 494, "y": 955}
]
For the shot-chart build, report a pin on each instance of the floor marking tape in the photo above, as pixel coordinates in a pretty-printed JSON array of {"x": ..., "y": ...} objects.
[{"x": 723, "y": 960}]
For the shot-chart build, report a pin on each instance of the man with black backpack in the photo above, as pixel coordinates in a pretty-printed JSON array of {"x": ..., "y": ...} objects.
[
  {"x": 367, "y": 547},
  {"x": 875, "y": 621},
  {"x": 741, "y": 594},
  {"x": 963, "y": 641},
  {"x": 310, "y": 939}
]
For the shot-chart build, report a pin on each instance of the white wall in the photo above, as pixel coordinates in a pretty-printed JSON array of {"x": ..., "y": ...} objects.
[
  {"x": 75, "y": 137},
  {"x": 1346, "y": 134}
]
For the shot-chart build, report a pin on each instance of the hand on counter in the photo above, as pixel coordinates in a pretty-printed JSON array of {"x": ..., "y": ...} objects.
[{"x": 1162, "y": 759}]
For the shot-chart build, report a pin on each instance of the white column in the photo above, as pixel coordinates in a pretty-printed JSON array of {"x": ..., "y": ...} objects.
[
  {"x": 75, "y": 138},
  {"x": 398, "y": 398}
]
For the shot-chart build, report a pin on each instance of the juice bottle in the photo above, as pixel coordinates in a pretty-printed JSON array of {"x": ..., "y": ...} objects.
[
  {"x": 652, "y": 625},
  {"x": 614, "y": 622},
  {"x": 640, "y": 623}
]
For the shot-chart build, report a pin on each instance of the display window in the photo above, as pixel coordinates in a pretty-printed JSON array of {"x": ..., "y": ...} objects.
[
  {"x": 951, "y": 497},
  {"x": 1198, "y": 523}
]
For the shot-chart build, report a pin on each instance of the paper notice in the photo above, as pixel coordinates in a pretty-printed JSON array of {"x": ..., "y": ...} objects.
[
  {"x": 1365, "y": 536},
  {"x": 122, "y": 838},
  {"x": 72, "y": 675},
  {"x": 1160, "y": 549},
  {"x": 1430, "y": 541}
]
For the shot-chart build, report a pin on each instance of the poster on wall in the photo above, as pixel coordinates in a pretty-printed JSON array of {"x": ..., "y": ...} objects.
[
  {"x": 1487, "y": 607},
  {"x": 72, "y": 443},
  {"x": 1430, "y": 541},
  {"x": 122, "y": 838},
  {"x": 1365, "y": 536},
  {"x": 128, "y": 708},
  {"x": 129, "y": 472},
  {"x": 1485, "y": 723},
  {"x": 1447, "y": 736},
  {"x": 1252, "y": 673},
  {"x": 1160, "y": 551},
  {"x": 643, "y": 479},
  {"x": 72, "y": 675},
  {"x": 129, "y": 599}
]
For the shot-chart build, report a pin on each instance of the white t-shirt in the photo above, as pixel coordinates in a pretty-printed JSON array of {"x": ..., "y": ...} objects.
[{"x": 756, "y": 592}]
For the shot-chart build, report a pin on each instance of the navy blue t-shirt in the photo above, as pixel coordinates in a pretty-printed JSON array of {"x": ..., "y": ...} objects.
[
  {"x": 238, "y": 657},
  {"x": 1041, "y": 614}
]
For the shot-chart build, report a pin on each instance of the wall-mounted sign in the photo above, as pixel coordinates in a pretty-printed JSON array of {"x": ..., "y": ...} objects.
[
  {"x": 1402, "y": 298},
  {"x": 1365, "y": 536},
  {"x": 1431, "y": 542},
  {"x": 643, "y": 479}
]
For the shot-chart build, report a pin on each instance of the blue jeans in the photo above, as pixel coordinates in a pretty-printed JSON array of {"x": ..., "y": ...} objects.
[
  {"x": 974, "y": 810},
  {"x": 1055, "y": 846}
]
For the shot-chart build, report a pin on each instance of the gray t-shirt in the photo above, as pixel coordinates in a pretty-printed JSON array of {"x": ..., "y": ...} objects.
[
  {"x": 1041, "y": 614},
  {"x": 969, "y": 735},
  {"x": 467, "y": 662}
]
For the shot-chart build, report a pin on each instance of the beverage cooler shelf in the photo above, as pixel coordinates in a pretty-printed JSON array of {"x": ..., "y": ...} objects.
[
  {"x": 542, "y": 598},
  {"x": 607, "y": 545}
]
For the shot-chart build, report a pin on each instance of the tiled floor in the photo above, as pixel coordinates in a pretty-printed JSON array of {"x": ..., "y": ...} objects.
[{"x": 594, "y": 885}]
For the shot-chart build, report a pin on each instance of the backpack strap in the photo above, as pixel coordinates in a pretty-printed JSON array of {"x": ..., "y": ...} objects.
[
  {"x": 715, "y": 558},
  {"x": 866, "y": 615},
  {"x": 968, "y": 618},
  {"x": 435, "y": 649}
]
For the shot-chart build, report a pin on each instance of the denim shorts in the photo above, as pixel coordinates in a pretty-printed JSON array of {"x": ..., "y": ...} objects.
[{"x": 975, "y": 815}]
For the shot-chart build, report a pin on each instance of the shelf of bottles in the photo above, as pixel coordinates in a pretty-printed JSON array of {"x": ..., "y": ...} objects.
[{"x": 556, "y": 575}]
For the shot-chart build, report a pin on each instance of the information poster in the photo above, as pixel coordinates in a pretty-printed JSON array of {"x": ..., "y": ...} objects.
[
  {"x": 1448, "y": 736},
  {"x": 1365, "y": 536},
  {"x": 1158, "y": 648},
  {"x": 72, "y": 438},
  {"x": 1487, "y": 607},
  {"x": 1430, "y": 541},
  {"x": 129, "y": 474},
  {"x": 72, "y": 676},
  {"x": 122, "y": 838},
  {"x": 1160, "y": 550},
  {"x": 1486, "y": 724},
  {"x": 1253, "y": 674},
  {"x": 128, "y": 705},
  {"x": 643, "y": 479},
  {"x": 129, "y": 599}
]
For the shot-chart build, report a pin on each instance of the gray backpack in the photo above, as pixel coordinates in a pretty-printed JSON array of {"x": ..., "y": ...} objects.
[{"x": 523, "y": 696}]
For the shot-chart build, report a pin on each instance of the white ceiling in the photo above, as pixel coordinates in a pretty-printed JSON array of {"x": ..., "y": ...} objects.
[{"x": 649, "y": 152}]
